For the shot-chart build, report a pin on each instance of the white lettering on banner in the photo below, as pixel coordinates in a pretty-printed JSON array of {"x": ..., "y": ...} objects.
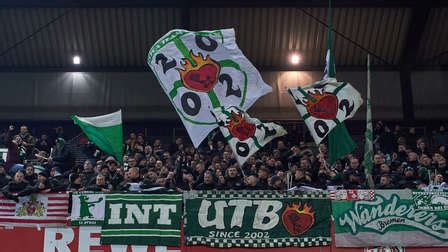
[
  {"x": 52, "y": 244},
  {"x": 219, "y": 216},
  {"x": 266, "y": 209},
  {"x": 164, "y": 210},
  {"x": 140, "y": 213},
  {"x": 134, "y": 210},
  {"x": 263, "y": 212},
  {"x": 115, "y": 213},
  {"x": 240, "y": 206},
  {"x": 85, "y": 238},
  {"x": 380, "y": 214}
]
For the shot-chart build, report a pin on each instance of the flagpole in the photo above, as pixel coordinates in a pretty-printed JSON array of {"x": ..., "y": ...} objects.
[{"x": 368, "y": 148}]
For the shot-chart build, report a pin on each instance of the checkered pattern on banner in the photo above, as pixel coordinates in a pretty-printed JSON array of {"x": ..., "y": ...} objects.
[
  {"x": 259, "y": 243},
  {"x": 260, "y": 195}
]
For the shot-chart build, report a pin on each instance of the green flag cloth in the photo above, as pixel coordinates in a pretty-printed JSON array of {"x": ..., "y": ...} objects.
[
  {"x": 106, "y": 131},
  {"x": 340, "y": 142},
  {"x": 368, "y": 148}
]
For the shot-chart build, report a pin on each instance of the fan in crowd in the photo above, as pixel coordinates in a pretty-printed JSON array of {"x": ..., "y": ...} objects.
[{"x": 402, "y": 160}]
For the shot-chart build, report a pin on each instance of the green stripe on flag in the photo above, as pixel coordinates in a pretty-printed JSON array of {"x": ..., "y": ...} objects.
[
  {"x": 308, "y": 96},
  {"x": 256, "y": 142},
  {"x": 213, "y": 99},
  {"x": 336, "y": 90},
  {"x": 177, "y": 84},
  {"x": 184, "y": 50}
]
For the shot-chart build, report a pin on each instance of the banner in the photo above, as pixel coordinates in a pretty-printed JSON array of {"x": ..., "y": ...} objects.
[
  {"x": 257, "y": 219},
  {"x": 393, "y": 218},
  {"x": 142, "y": 219},
  {"x": 203, "y": 70},
  {"x": 325, "y": 104},
  {"x": 244, "y": 134},
  {"x": 44, "y": 210},
  {"x": 87, "y": 208}
]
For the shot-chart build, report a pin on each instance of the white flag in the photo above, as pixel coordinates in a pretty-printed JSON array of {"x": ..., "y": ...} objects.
[
  {"x": 200, "y": 71},
  {"x": 244, "y": 134},
  {"x": 87, "y": 208},
  {"x": 324, "y": 103}
]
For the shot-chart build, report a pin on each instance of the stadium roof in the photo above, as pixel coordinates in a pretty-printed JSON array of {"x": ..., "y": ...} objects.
[{"x": 116, "y": 35}]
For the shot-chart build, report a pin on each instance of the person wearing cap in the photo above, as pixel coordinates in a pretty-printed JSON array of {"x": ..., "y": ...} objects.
[
  {"x": 277, "y": 183},
  {"x": 75, "y": 183},
  {"x": 115, "y": 177},
  {"x": 408, "y": 179},
  {"x": 43, "y": 184},
  {"x": 56, "y": 180},
  {"x": 61, "y": 155}
]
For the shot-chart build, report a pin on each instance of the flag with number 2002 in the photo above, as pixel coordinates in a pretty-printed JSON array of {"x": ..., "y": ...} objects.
[{"x": 200, "y": 71}]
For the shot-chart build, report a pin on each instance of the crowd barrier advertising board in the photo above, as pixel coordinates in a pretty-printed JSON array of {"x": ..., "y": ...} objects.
[
  {"x": 392, "y": 218},
  {"x": 87, "y": 239},
  {"x": 258, "y": 219}
]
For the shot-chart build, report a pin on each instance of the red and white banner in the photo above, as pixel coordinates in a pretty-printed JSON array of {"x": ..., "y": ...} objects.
[
  {"x": 352, "y": 194},
  {"x": 47, "y": 210}
]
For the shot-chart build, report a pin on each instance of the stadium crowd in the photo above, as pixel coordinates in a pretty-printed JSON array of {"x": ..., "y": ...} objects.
[{"x": 402, "y": 159}]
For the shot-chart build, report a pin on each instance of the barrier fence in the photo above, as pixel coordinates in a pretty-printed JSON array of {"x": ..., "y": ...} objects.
[{"x": 243, "y": 220}]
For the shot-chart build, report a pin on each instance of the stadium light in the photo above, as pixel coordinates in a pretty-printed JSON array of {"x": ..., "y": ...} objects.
[
  {"x": 295, "y": 58},
  {"x": 76, "y": 60}
]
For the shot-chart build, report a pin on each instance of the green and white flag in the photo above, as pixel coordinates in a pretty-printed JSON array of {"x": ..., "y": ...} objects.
[
  {"x": 142, "y": 219},
  {"x": 87, "y": 208},
  {"x": 368, "y": 147},
  {"x": 106, "y": 131},
  {"x": 245, "y": 135},
  {"x": 200, "y": 71},
  {"x": 325, "y": 104}
]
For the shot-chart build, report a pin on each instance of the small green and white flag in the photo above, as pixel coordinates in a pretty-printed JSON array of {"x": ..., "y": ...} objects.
[
  {"x": 87, "y": 208},
  {"x": 106, "y": 131},
  {"x": 245, "y": 135},
  {"x": 368, "y": 148}
]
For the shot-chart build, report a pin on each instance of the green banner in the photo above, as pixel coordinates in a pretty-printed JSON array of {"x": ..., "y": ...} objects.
[
  {"x": 257, "y": 219},
  {"x": 87, "y": 209},
  {"x": 142, "y": 219},
  {"x": 402, "y": 218}
]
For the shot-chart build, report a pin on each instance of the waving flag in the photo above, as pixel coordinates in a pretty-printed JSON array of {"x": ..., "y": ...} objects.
[
  {"x": 106, "y": 131},
  {"x": 244, "y": 134},
  {"x": 325, "y": 104},
  {"x": 200, "y": 71}
]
